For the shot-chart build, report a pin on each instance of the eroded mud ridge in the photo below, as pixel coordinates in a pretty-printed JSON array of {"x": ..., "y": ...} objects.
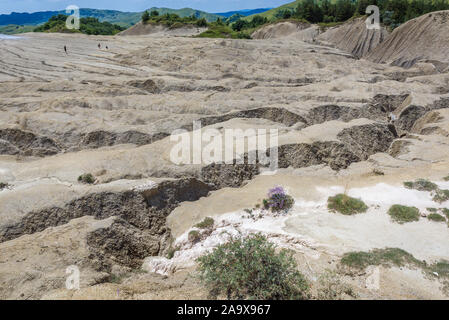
[
  {"x": 108, "y": 115},
  {"x": 139, "y": 229}
]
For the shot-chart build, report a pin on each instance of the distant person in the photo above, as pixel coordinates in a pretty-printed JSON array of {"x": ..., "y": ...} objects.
[
  {"x": 107, "y": 48},
  {"x": 65, "y": 49},
  {"x": 99, "y": 46}
]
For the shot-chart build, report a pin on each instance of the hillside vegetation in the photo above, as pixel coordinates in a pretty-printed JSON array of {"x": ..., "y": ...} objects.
[{"x": 91, "y": 26}]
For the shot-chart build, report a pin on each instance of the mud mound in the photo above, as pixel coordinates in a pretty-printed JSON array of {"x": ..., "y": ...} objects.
[
  {"x": 354, "y": 37},
  {"x": 423, "y": 38},
  {"x": 18, "y": 142},
  {"x": 98, "y": 139},
  {"x": 141, "y": 29},
  {"x": 280, "y": 30}
]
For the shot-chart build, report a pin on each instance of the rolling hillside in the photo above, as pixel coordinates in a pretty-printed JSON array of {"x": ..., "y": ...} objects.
[
  {"x": 124, "y": 19},
  {"x": 247, "y": 12}
]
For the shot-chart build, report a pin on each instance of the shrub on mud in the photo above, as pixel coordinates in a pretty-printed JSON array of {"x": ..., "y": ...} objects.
[
  {"x": 376, "y": 257},
  {"x": 441, "y": 196},
  {"x": 346, "y": 205},
  {"x": 421, "y": 185},
  {"x": 207, "y": 223},
  {"x": 278, "y": 200},
  {"x": 250, "y": 268},
  {"x": 436, "y": 217},
  {"x": 194, "y": 236},
  {"x": 3, "y": 186},
  {"x": 86, "y": 178},
  {"x": 403, "y": 214}
]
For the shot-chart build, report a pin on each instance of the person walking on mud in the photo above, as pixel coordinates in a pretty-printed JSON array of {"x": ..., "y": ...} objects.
[
  {"x": 99, "y": 46},
  {"x": 65, "y": 49}
]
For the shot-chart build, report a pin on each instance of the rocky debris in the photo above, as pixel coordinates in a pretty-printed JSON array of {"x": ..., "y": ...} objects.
[{"x": 19, "y": 142}]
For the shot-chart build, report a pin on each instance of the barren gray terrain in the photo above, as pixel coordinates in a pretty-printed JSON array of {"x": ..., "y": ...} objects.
[{"x": 110, "y": 113}]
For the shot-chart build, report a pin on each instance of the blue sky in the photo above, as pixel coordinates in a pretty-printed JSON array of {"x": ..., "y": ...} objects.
[{"x": 7, "y": 6}]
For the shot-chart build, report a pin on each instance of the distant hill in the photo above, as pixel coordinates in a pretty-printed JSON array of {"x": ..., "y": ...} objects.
[
  {"x": 124, "y": 19},
  {"x": 245, "y": 13},
  {"x": 272, "y": 12}
]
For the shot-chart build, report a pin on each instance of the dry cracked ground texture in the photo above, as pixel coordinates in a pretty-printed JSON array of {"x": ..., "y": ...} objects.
[{"x": 110, "y": 113}]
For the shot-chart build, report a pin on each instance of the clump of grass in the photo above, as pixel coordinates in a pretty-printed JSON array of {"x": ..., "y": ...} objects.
[
  {"x": 436, "y": 217},
  {"x": 446, "y": 178},
  {"x": 432, "y": 210},
  {"x": 278, "y": 200},
  {"x": 194, "y": 236},
  {"x": 346, "y": 205},
  {"x": 171, "y": 252},
  {"x": 441, "y": 196},
  {"x": 387, "y": 257},
  {"x": 403, "y": 214},
  {"x": 207, "y": 223},
  {"x": 86, "y": 178},
  {"x": 393, "y": 257},
  {"x": 421, "y": 185},
  {"x": 3, "y": 185},
  {"x": 446, "y": 212}
]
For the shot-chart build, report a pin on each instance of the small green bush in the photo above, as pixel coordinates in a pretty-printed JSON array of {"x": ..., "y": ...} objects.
[
  {"x": 207, "y": 223},
  {"x": 403, "y": 214},
  {"x": 436, "y": 217},
  {"x": 421, "y": 185},
  {"x": 441, "y": 196},
  {"x": 194, "y": 236},
  {"x": 346, "y": 205},
  {"x": 171, "y": 252},
  {"x": 278, "y": 200},
  {"x": 387, "y": 256},
  {"x": 250, "y": 268},
  {"x": 3, "y": 185},
  {"x": 86, "y": 178},
  {"x": 446, "y": 212}
]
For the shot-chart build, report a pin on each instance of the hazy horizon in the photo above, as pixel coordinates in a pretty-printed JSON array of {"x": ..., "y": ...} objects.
[{"x": 30, "y": 6}]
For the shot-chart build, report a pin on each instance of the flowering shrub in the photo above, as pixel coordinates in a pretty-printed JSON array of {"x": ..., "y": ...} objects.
[{"x": 278, "y": 200}]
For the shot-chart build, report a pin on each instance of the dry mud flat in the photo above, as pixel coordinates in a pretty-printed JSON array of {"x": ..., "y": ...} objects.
[{"x": 110, "y": 113}]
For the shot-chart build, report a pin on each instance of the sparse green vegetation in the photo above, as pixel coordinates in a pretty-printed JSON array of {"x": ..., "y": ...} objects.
[
  {"x": 223, "y": 31},
  {"x": 16, "y": 29},
  {"x": 446, "y": 178},
  {"x": 441, "y": 196},
  {"x": 91, "y": 26},
  {"x": 387, "y": 257},
  {"x": 331, "y": 287},
  {"x": 421, "y": 185},
  {"x": 194, "y": 236},
  {"x": 86, "y": 178},
  {"x": 250, "y": 268},
  {"x": 3, "y": 185},
  {"x": 171, "y": 252},
  {"x": 436, "y": 217},
  {"x": 446, "y": 212},
  {"x": 346, "y": 205},
  {"x": 207, "y": 223},
  {"x": 403, "y": 214}
]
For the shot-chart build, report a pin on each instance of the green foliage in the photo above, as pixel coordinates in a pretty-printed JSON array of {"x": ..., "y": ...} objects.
[
  {"x": 256, "y": 21},
  {"x": 446, "y": 212},
  {"x": 393, "y": 257},
  {"x": 154, "y": 13},
  {"x": 331, "y": 287},
  {"x": 171, "y": 252},
  {"x": 91, "y": 26},
  {"x": 278, "y": 200},
  {"x": 250, "y": 268},
  {"x": 146, "y": 17},
  {"x": 346, "y": 205},
  {"x": 223, "y": 31},
  {"x": 441, "y": 196},
  {"x": 436, "y": 217},
  {"x": 446, "y": 178},
  {"x": 403, "y": 214},
  {"x": 207, "y": 223},
  {"x": 86, "y": 178},
  {"x": 3, "y": 185},
  {"x": 387, "y": 257},
  {"x": 421, "y": 185},
  {"x": 15, "y": 29},
  {"x": 194, "y": 236}
]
